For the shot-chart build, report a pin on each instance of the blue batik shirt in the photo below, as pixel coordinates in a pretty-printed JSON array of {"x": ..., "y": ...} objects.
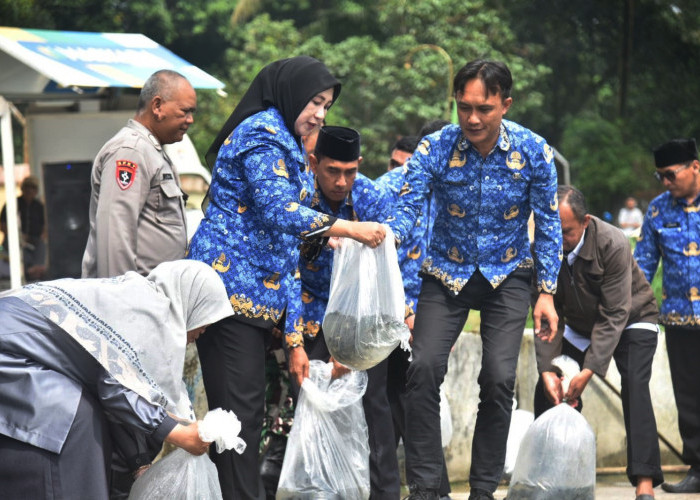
[
  {"x": 483, "y": 206},
  {"x": 366, "y": 202},
  {"x": 258, "y": 211},
  {"x": 671, "y": 231},
  {"x": 414, "y": 247}
]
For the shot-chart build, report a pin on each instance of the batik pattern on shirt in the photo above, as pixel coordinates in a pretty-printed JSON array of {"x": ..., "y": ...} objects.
[
  {"x": 483, "y": 206},
  {"x": 258, "y": 211},
  {"x": 671, "y": 231},
  {"x": 366, "y": 202},
  {"x": 414, "y": 247}
]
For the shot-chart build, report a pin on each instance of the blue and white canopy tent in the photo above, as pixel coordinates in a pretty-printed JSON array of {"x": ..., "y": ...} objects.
[{"x": 43, "y": 65}]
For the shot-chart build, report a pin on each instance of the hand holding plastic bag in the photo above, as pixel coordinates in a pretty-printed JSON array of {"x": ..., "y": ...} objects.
[
  {"x": 183, "y": 476},
  {"x": 364, "y": 318},
  {"x": 327, "y": 453},
  {"x": 222, "y": 427}
]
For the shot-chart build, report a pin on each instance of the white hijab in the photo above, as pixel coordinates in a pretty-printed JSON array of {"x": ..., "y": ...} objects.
[{"x": 136, "y": 327}]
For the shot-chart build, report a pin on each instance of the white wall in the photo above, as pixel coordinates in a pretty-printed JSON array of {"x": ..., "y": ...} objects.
[{"x": 72, "y": 137}]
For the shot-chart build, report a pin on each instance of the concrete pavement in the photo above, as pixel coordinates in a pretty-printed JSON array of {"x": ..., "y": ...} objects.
[{"x": 607, "y": 488}]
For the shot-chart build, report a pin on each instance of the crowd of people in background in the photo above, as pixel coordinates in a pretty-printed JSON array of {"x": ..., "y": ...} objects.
[{"x": 458, "y": 198}]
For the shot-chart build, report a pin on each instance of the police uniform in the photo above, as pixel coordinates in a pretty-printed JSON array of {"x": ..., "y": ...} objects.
[{"x": 137, "y": 210}]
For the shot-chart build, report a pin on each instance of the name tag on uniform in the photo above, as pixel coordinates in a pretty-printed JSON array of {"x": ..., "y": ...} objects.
[
  {"x": 167, "y": 177},
  {"x": 672, "y": 224}
]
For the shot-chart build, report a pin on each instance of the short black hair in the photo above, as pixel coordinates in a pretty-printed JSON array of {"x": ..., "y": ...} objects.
[
  {"x": 575, "y": 199},
  {"x": 494, "y": 74},
  {"x": 407, "y": 143},
  {"x": 432, "y": 126}
]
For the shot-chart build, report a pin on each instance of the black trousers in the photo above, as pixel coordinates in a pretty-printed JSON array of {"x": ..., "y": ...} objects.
[
  {"x": 633, "y": 357},
  {"x": 232, "y": 355},
  {"x": 396, "y": 392},
  {"x": 80, "y": 471},
  {"x": 385, "y": 480},
  {"x": 683, "y": 346},
  {"x": 440, "y": 318}
]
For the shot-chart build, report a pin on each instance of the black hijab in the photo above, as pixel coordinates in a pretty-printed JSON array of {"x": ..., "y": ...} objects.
[{"x": 288, "y": 85}]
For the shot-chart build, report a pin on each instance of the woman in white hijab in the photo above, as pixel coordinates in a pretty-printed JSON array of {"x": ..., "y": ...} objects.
[{"x": 78, "y": 356}]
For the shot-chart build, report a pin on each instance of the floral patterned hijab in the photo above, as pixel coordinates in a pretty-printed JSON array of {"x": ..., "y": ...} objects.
[{"x": 136, "y": 327}]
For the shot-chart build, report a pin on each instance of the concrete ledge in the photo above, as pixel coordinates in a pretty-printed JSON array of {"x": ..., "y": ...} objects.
[{"x": 602, "y": 409}]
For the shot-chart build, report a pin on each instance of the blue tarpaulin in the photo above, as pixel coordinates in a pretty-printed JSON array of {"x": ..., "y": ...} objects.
[{"x": 45, "y": 61}]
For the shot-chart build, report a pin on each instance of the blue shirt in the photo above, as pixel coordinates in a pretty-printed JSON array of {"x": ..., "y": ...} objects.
[
  {"x": 671, "y": 231},
  {"x": 257, "y": 213},
  {"x": 483, "y": 206},
  {"x": 414, "y": 247},
  {"x": 366, "y": 202}
]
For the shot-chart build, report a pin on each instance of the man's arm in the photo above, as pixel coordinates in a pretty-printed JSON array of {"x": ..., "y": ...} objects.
[
  {"x": 548, "y": 240},
  {"x": 647, "y": 252},
  {"x": 124, "y": 187},
  {"x": 614, "y": 306},
  {"x": 544, "y": 316},
  {"x": 419, "y": 174}
]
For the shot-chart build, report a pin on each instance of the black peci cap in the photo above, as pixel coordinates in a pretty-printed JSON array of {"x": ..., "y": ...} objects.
[
  {"x": 339, "y": 143},
  {"x": 674, "y": 152}
]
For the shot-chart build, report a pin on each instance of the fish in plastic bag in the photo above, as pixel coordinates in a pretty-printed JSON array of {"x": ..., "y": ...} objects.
[
  {"x": 364, "y": 318},
  {"x": 556, "y": 460},
  {"x": 327, "y": 453},
  {"x": 183, "y": 476},
  {"x": 178, "y": 476}
]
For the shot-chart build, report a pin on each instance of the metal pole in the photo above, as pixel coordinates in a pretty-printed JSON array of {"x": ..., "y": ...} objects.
[
  {"x": 564, "y": 166},
  {"x": 8, "y": 161},
  {"x": 663, "y": 438}
]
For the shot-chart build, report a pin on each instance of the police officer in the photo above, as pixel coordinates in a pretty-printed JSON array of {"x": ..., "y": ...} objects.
[{"x": 137, "y": 211}]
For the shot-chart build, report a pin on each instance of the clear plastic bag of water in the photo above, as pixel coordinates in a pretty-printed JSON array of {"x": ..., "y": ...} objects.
[
  {"x": 364, "y": 318},
  {"x": 178, "y": 476},
  {"x": 556, "y": 459},
  {"x": 327, "y": 453}
]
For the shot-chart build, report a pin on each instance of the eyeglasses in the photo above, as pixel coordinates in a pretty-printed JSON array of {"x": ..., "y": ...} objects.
[{"x": 670, "y": 175}]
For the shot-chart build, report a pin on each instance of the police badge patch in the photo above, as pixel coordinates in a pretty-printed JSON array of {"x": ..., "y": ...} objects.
[{"x": 126, "y": 173}]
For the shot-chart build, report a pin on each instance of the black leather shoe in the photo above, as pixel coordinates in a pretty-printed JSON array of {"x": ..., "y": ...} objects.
[
  {"x": 644, "y": 497},
  {"x": 271, "y": 465},
  {"x": 479, "y": 494},
  {"x": 689, "y": 484},
  {"x": 420, "y": 493}
]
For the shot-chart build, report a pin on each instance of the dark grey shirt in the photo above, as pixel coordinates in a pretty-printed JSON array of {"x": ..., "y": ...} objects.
[{"x": 43, "y": 372}]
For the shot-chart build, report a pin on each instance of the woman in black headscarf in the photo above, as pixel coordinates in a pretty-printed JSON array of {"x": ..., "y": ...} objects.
[{"x": 256, "y": 218}]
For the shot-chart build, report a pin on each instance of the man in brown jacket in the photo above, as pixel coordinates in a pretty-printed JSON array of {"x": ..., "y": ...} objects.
[{"x": 606, "y": 309}]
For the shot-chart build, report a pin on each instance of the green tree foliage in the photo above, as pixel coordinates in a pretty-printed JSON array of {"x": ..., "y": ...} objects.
[
  {"x": 607, "y": 169},
  {"x": 395, "y": 58},
  {"x": 620, "y": 73},
  {"x": 629, "y": 64}
]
